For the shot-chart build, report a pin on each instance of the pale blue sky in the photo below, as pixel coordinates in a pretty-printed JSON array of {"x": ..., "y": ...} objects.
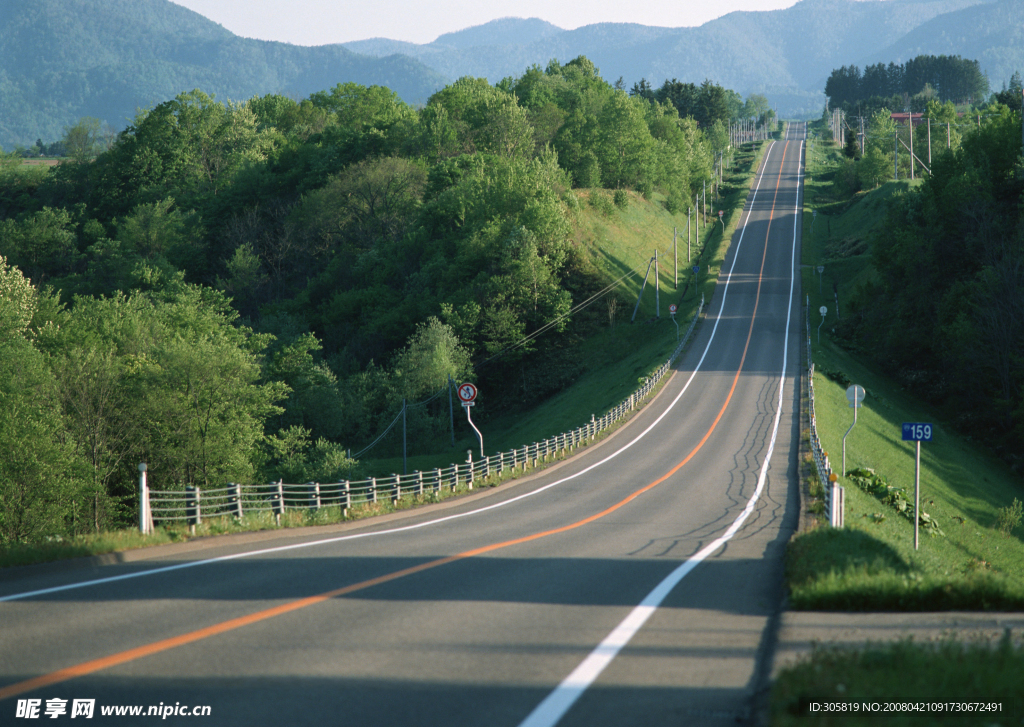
[{"x": 318, "y": 22}]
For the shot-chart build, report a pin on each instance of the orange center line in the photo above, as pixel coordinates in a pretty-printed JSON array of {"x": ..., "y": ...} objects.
[{"x": 106, "y": 662}]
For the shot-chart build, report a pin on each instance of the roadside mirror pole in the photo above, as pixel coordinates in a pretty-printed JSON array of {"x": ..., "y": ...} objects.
[{"x": 856, "y": 395}]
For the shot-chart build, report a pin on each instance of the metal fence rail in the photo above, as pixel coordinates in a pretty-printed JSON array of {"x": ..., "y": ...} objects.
[
  {"x": 834, "y": 495},
  {"x": 192, "y": 504}
]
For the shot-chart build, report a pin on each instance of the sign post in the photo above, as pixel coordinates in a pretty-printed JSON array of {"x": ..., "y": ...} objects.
[
  {"x": 672, "y": 312},
  {"x": 467, "y": 395},
  {"x": 917, "y": 432},
  {"x": 721, "y": 215},
  {"x": 823, "y": 310},
  {"x": 855, "y": 394}
]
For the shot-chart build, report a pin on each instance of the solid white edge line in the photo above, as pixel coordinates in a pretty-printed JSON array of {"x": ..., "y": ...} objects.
[
  {"x": 405, "y": 528},
  {"x": 558, "y": 702}
]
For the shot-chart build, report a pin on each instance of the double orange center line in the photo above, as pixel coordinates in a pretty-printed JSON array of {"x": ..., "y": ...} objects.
[{"x": 106, "y": 662}]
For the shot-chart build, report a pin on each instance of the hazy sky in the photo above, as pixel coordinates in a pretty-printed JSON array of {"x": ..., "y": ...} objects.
[{"x": 317, "y": 22}]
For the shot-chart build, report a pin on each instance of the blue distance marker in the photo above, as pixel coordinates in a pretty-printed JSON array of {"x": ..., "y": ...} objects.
[{"x": 917, "y": 432}]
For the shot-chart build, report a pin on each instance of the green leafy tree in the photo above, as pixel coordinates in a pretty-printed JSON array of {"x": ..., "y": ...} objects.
[
  {"x": 82, "y": 140},
  {"x": 625, "y": 145},
  {"x": 40, "y": 478},
  {"x": 433, "y": 354}
]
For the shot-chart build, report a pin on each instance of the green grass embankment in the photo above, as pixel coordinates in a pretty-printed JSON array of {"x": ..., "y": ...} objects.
[{"x": 871, "y": 564}]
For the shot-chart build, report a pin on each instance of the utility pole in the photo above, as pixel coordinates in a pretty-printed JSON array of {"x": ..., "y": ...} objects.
[
  {"x": 929, "y": 142},
  {"x": 911, "y": 144},
  {"x": 688, "y": 233},
  {"x": 657, "y": 287},
  {"x": 896, "y": 154},
  {"x": 451, "y": 408}
]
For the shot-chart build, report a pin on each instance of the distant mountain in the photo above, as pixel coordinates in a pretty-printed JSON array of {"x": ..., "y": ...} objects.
[
  {"x": 64, "y": 59},
  {"x": 992, "y": 33},
  {"x": 787, "y": 54}
]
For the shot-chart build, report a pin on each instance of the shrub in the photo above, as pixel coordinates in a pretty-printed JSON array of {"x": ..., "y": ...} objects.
[{"x": 1009, "y": 517}]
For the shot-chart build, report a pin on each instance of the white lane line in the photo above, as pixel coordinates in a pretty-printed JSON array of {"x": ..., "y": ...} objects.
[
  {"x": 406, "y": 528},
  {"x": 557, "y": 703}
]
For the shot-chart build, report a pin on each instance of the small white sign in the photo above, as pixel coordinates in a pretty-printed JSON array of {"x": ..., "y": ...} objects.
[{"x": 823, "y": 310}]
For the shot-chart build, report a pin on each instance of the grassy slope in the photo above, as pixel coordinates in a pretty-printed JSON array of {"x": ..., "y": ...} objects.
[{"x": 872, "y": 563}]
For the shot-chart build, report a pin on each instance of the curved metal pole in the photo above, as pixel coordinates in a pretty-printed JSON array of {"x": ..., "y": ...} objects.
[
  {"x": 855, "y": 407},
  {"x": 478, "y": 434}
]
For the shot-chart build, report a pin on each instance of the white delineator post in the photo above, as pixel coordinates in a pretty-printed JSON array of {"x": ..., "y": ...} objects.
[{"x": 145, "y": 517}]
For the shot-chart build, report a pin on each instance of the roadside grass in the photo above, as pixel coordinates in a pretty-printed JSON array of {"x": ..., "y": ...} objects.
[
  {"x": 872, "y": 564},
  {"x": 617, "y": 359},
  {"x": 929, "y": 676}
]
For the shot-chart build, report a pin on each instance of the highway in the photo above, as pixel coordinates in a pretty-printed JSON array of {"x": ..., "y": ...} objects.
[{"x": 636, "y": 584}]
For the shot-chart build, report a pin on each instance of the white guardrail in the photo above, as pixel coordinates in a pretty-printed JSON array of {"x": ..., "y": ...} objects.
[
  {"x": 833, "y": 493},
  {"x": 192, "y": 504}
]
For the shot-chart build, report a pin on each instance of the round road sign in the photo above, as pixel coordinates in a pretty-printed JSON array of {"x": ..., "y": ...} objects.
[
  {"x": 855, "y": 395},
  {"x": 721, "y": 212},
  {"x": 696, "y": 269},
  {"x": 467, "y": 392},
  {"x": 672, "y": 309},
  {"x": 823, "y": 310}
]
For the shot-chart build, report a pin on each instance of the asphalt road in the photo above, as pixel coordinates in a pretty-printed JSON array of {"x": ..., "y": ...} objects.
[{"x": 636, "y": 584}]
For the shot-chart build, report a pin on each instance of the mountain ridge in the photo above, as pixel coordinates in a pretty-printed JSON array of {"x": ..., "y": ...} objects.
[{"x": 64, "y": 59}]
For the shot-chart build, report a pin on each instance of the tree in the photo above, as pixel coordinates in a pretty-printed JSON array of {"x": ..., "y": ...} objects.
[
  {"x": 40, "y": 484},
  {"x": 1011, "y": 95},
  {"x": 843, "y": 86},
  {"x": 165, "y": 378},
  {"x": 82, "y": 139},
  {"x": 625, "y": 146},
  {"x": 433, "y": 354},
  {"x": 852, "y": 147}
]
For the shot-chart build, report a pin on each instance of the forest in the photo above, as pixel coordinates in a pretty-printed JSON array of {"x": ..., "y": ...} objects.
[
  {"x": 912, "y": 84},
  {"x": 944, "y": 311},
  {"x": 240, "y": 292}
]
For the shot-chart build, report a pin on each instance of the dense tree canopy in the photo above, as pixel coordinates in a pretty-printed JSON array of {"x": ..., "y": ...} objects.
[{"x": 950, "y": 78}]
